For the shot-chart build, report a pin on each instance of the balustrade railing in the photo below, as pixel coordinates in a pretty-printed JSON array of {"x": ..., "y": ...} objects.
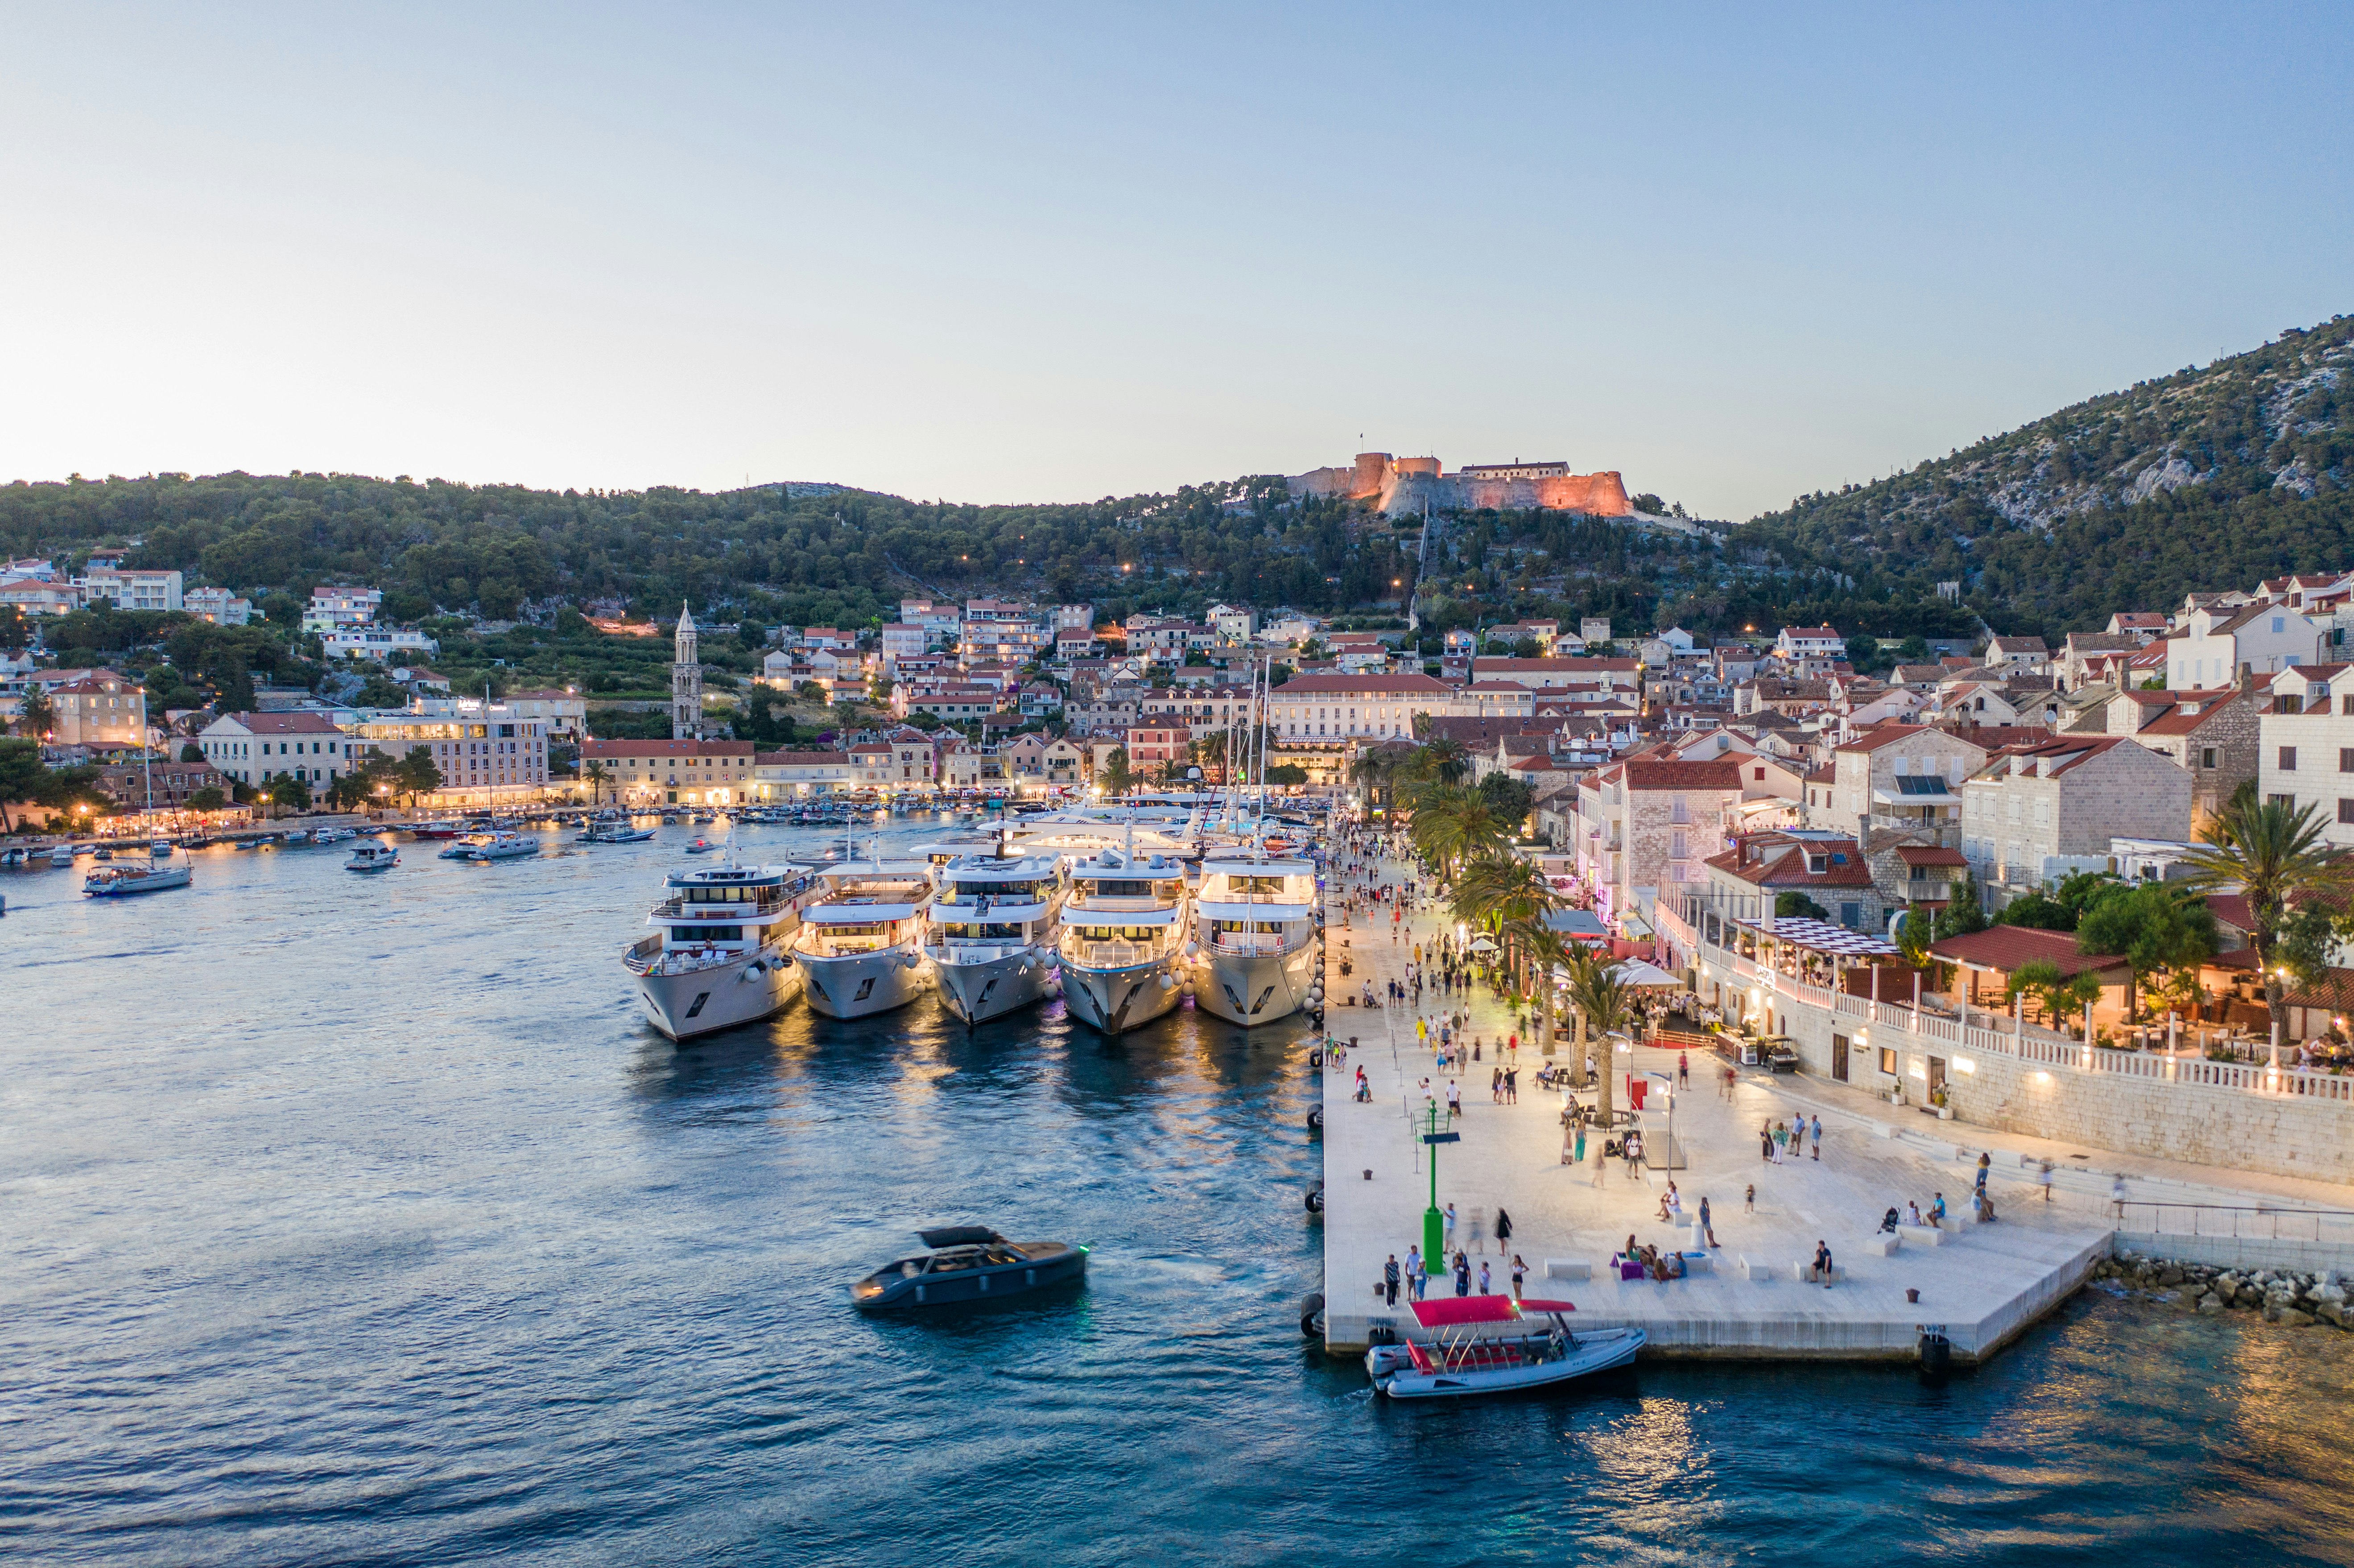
[{"x": 2026, "y": 1041}]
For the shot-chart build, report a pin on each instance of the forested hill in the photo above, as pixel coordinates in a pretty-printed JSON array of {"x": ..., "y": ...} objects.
[
  {"x": 802, "y": 553},
  {"x": 2210, "y": 478}
]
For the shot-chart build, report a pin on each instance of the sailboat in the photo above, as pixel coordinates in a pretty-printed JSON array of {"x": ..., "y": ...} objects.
[{"x": 164, "y": 868}]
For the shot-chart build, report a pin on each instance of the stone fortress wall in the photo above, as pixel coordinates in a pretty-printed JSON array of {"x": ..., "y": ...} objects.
[{"x": 1404, "y": 486}]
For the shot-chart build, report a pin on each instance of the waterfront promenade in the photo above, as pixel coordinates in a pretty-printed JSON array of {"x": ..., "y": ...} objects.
[{"x": 1982, "y": 1284}]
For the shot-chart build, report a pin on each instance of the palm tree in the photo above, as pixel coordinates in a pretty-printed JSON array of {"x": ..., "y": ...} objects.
[
  {"x": 1445, "y": 761},
  {"x": 1453, "y": 827},
  {"x": 1545, "y": 950},
  {"x": 1118, "y": 776},
  {"x": 1604, "y": 1005},
  {"x": 596, "y": 773},
  {"x": 1508, "y": 896},
  {"x": 2273, "y": 856}
]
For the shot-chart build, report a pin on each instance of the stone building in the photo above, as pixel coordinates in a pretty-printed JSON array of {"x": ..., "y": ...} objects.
[
  {"x": 1646, "y": 825},
  {"x": 2035, "y": 814},
  {"x": 686, "y": 682},
  {"x": 1899, "y": 775},
  {"x": 2305, "y": 745},
  {"x": 2212, "y": 735}
]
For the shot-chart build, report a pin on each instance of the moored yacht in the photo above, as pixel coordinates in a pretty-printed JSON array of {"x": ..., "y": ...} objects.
[
  {"x": 719, "y": 954},
  {"x": 861, "y": 943},
  {"x": 1256, "y": 948},
  {"x": 1123, "y": 938},
  {"x": 498, "y": 845},
  {"x": 142, "y": 876},
  {"x": 992, "y": 947}
]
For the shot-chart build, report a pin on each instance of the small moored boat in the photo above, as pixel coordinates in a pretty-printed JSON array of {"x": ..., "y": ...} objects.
[
  {"x": 969, "y": 1264},
  {"x": 1461, "y": 1361},
  {"x": 372, "y": 857}
]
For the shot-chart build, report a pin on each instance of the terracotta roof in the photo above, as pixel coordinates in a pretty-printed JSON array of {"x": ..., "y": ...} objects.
[
  {"x": 2065, "y": 753},
  {"x": 666, "y": 748},
  {"x": 1930, "y": 854},
  {"x": 1826, "y": 774},
  {"x": 287, "y": 724},
  {"x": 1311, "y": 685},
  {"x": 1843, "y": 864},
  {"x": 1719, "y": 774},
  {"x": 795, "y": 758},
  {"x": 1503, "y": 666},
  {"x": 1886, "y": 734},
  {"x": 2334, "y": 990},
  {"x": 2010, "y": 948},
  {"x": 2231, "y": 909}
]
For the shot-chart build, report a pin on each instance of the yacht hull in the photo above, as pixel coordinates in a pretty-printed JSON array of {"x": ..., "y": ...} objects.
[
  {"x": 992, "y": 988},
  {"x": 725, "y": 996},
  {"x": 1252, "y": 988},
  {"x": 1115, "y": 1000},
  {"x": 865, "y": 984}
]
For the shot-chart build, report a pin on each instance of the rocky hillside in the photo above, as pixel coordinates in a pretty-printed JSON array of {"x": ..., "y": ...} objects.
[{"x": 2209, "y": 478}]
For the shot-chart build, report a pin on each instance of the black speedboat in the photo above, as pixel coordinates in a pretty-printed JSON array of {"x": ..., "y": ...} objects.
[{"x": 967, "y": 1263}]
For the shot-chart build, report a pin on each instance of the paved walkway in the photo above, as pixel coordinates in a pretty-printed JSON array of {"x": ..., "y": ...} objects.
[{"x": 1984, "y": 1283}]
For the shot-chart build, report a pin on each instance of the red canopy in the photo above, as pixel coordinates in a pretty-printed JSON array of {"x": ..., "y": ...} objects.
[{"x": 1450, "y": 1310}]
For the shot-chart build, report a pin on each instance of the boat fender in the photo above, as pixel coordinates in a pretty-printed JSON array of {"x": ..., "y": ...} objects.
[
  {"x": 1311, "y": 1308},
  {"x": 1315, "y": 1199},
  {"x": 1315, "y": 1119},
  {"x": 1168, "y": 982},
  {"x": 1316, "y": 1058}
]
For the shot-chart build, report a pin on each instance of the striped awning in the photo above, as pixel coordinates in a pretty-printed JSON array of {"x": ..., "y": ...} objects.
[{"x": 1822, "y": 936}]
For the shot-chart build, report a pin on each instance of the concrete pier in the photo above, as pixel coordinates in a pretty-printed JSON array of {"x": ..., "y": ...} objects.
[{"x": 1980, "y": 1284}]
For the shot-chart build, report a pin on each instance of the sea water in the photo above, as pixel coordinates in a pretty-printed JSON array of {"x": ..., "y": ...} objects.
[{"x": 360, "y": 1220}]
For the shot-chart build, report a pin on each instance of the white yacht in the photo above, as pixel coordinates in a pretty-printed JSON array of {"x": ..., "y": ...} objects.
[
  {"x": 499, "y": 845},
  {"x": 372, "y": 857},
  {"x": 1256, "y": 952},
  {"x": 1121, "y": 951},
  {"x": 992, "y": 947},
  {"x": 151, "y": 875},
  {"x": 861, "y": 943},
  {"x": 720, "y": 952}
]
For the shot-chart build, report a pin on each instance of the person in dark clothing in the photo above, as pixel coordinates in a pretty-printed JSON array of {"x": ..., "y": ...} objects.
[
  {"x": 1503, "y": 1229},
  {"x": 1390, "y": 1278},
  {"x": 1462, "y": 1274}
]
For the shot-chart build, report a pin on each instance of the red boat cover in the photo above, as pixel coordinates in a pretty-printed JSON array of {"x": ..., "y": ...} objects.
[
  {"x": 1531, "y": 1304},
  {"x": 1450, "y": 1310}
]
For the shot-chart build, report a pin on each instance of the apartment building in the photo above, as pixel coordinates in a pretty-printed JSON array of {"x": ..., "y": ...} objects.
[
  {"x": 255, "y": 747},
  {"x": 2218, "y": 645},
  {"x": 99, "y": 709},
  {"x": 684, "y": 772},
  {"x": 1899, "y": 775},
  {"x": 2305, "y": 745},
  {"x": 218, "y": 605},
  {"x": 127, "y": 588},
  {"x": 331, "y": 608},
  {"x": 1332, "y": 708},
  {"x": 487, "y": 754},
  {"x": 2033, "y": 813},
  {"x": 780, "y": 775},
  {"x": 1643, "y": 826}
]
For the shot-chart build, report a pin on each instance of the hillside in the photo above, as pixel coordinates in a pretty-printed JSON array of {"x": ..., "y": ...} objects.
[
  {"x": 800, "y": 552},
  {"x": 2209, "y": 478}
]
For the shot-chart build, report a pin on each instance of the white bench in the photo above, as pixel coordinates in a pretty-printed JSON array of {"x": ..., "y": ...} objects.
[
  {"x": 1882, "y": 1244},
  {"x": 1755, "y": 1268},
  {"x": 1699, "y": 1262},
  {"x": 1803, "y": 1269},
  {"x": 1568, "y": 1268},
  {"x": 1923, "y": 1236}
]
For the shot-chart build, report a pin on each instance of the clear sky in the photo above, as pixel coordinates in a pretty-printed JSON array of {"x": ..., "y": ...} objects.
[{"x": 1001, "y": 253}]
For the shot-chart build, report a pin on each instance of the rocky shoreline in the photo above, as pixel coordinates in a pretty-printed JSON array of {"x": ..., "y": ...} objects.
[{"x": 2283, "y": 1296}]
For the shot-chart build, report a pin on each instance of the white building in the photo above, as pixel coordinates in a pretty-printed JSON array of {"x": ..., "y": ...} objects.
[
  {"x": 2306, "y": 754},
  {"x": 2218, "y": 645},
  {"x": 217, "y": 605},
  {"x": 129, "y": 590},
  {"x": 336, "y": 607},
  {"x": 1809, "y": 643},
  {"x": 254, "y": 748},
  {"x": 487, "y": 753},
  {"x": 377, "y": 642},
  {"x": 1309, "y": 708},
  {"x": 904, "y": 640}
]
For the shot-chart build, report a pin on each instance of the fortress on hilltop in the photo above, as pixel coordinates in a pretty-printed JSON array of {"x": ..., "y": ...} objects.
[{"x": 1402, "y": 486}]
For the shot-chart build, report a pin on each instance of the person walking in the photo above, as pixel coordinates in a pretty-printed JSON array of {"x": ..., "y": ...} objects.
[
  {"x": 1766, "y": 1142},
  {"x": 1454, "y": 1098},
  {"x": 1449, "y": 1237},
  {"x": 1503, "y": 1229},
  {"x": 1749, "y": 1200},
  {"x": 2043, "y": 1180},
  {"x": 1412, "y": 1267},
  {"x": 2118, "y": 1196},
  {"x": 1707, "y": 1227},
  {"x": 1483, "y": 1277},
  {"x": 1818, "y": 1133},
  {"x": 1683, "y": 1069},
  {"x": 1511, "y": 1086},
  {"x": 1390, "y": 1279},
  {"x": 1463, "y": 1275}
]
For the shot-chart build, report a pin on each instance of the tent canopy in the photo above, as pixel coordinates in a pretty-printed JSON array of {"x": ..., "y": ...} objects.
[
  {"x": 1641, "y": 975},
  {"x": 1822, "y": 936},
  {"x": 1482, "y": 945}
]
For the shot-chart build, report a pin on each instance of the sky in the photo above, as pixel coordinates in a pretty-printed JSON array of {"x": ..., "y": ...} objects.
[{"x": 1035, "y": 253}]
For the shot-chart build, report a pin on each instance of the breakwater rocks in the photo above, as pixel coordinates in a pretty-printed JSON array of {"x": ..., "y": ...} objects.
[{"x": 2282, "y": 1295}]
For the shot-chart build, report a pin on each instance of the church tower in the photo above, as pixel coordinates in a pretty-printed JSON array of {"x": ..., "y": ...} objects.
[{"x": 685, "y": 682}]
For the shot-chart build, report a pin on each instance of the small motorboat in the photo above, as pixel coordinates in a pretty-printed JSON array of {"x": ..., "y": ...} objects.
[
  {"x": 1460, "y": 1360},
  {"x": 159, "y": 849},
  {"x": 62, "y": 855},
  {"x": 500, "y": 845},
  {"x": 435, "y": 830},
  {"x": 102, "y": 852},
  {"x": 701, "y": 847},
  {"x": 372, "y": 857},
  {"x": 615, "y": 833},
  {"x": 969, "y": 1264}
]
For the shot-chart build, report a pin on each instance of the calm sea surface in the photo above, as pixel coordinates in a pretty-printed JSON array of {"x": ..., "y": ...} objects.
[{"x": 360, "y": 1220}]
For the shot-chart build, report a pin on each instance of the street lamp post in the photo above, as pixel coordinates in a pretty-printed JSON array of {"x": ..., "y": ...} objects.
[{"x": 1434, "y": 1224}]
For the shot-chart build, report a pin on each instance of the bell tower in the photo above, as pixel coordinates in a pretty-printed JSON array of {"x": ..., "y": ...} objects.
[{"x": 686, "y": 682}]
